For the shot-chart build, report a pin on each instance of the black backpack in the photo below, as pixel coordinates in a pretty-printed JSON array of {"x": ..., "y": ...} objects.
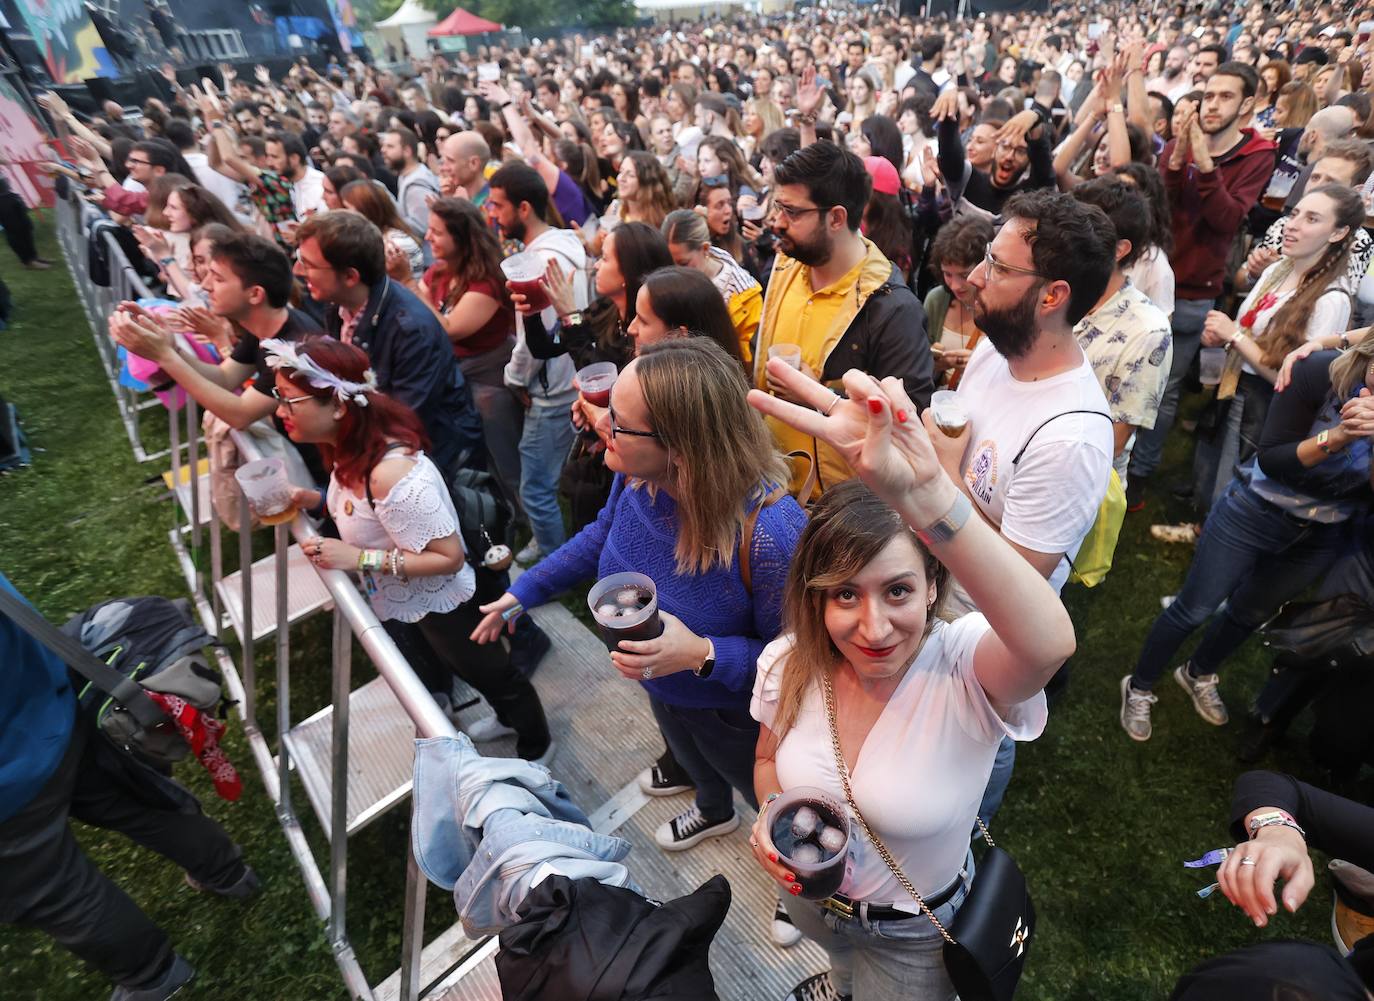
[{"x": 14, "y": 447}]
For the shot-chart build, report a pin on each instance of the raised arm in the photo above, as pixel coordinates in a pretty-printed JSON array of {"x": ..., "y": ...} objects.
[{"x": 520, "y": 132}]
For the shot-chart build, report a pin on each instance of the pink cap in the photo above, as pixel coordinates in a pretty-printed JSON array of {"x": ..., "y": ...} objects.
[{"x": 884, "y": 175}]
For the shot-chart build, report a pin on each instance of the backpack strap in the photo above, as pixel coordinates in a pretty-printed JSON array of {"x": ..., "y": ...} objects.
[
  {"x": 1046, "y": 421},
  {"x": 746, "y": 535},
  {"x": 367, "y": 480},
  {"x": 129, "y": 692}
]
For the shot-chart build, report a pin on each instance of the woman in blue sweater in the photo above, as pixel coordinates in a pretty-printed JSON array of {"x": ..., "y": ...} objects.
[{"x": 694, "y": 466}]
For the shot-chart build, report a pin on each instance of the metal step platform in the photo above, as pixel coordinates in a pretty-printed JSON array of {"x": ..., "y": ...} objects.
[
  {"x": 203, "y": 510},
  {"x": 305, "y": 594},
  {"x": 381, "y": 755}
]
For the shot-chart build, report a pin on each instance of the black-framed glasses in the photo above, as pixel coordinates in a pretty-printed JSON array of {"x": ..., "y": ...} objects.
[
  {"x": 793, "y": 213},
  {"x": 617, "y": 430},
  {"x": 289, "y": 401},
  {"x": 144, "y": 163}
]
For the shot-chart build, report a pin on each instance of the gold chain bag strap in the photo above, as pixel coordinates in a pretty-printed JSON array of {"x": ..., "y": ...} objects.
[{"x": 985, "y": 946}]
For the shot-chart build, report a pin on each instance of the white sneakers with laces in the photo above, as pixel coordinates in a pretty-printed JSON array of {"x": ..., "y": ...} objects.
[
  {"x": 1135, "y": 710},
  {"x": 1135, "y": 705}
]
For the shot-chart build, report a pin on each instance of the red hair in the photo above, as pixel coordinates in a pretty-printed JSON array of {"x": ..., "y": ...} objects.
[{"x": 365, "y": 433}]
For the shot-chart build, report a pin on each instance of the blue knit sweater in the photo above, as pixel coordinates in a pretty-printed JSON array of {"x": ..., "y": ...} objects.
[{"x": 635, "y": 532}]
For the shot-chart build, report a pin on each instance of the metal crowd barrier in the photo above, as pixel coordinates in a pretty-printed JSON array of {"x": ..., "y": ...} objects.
[{"x": 261, "y": 601}]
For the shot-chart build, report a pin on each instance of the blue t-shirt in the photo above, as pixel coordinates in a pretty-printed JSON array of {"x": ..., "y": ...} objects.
[{"x": 37, "y": 709}]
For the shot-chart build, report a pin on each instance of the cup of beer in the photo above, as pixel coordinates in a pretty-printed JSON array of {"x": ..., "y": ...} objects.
[
  {"x": 625, "y": 607},
  {"x": 267, "y": 488},
  {"x": 525, "y": 274},
  {"x": 951, "y": 416}
]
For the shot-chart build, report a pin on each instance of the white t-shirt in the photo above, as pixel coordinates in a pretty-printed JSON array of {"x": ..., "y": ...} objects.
[
  {"x": 1153, "y": 275},
  {"x": 229, "y": 191},
  {"x": 1049, "y": 500},
  {"x": 307, "y": 194},
  {"x": 1330, "y": 314},
  {"x": 920, "y": 774}
]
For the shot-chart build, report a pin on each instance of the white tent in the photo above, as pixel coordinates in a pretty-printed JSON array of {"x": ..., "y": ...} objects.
[{"x": 406, "y": 28}]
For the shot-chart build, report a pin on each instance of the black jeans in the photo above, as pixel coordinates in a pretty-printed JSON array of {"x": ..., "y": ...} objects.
[
  {"x": 486, "y": 667},
  {"x": 715, "y": 747},
  {"x": 48, "y": 883},
  {"x": 14, "y": 216}
]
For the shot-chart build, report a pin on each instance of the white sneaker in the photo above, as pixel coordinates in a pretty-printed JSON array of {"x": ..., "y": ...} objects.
[
  {"x": 488, "y": 728},
  {"x": 549, "y": 754},
  {"x": 1135, "y": 710},
  {"x": 530, "y": 554},
  {"x": 689, "y": 829},
  {"x": 1203, "y": 691},
  {"x": 783, "y": 932},
  {"x": 652, "y": 782}
]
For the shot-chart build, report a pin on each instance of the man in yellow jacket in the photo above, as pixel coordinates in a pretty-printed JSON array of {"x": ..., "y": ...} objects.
[{"x": 834, "y": 295}]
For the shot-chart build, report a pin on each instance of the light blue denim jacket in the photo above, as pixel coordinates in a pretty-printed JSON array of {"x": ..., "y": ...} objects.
[{"x": 490, "y": 828}]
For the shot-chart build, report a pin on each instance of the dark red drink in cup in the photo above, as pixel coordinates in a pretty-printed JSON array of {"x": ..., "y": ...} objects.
[
  {"x": 525, "y": 275},
  {"x": 595, "y": 381},
  {"x": 625, "y": 607}
]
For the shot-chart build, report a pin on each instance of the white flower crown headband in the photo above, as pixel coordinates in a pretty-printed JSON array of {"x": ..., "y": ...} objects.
[{"x": 284, "y": 354}]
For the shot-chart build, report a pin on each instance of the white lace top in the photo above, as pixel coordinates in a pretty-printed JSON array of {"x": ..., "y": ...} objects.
[{"x": 415, "y": 512}]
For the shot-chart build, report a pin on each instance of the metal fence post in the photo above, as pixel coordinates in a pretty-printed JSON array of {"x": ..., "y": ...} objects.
[
  {"x": 250, "y": 669},
  {"x": 280, "y": 541},
  {"x": 338, "y": 820},
  {"x": 413, "y": 929}
]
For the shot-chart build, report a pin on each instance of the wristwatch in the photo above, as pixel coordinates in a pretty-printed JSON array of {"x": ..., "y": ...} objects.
[
  {"x": 947, "y": 526},
  {"x": 1324, "y": 440},
  {"x": 1117, "y": 109},
  {"x": 572, "y": 319},
  {"x": 709, "y": 663}
]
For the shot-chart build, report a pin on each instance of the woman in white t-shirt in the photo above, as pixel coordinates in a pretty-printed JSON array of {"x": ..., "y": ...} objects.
[
  {"x": 398, "y": 527},
  {"x": 919, "y": 705}
]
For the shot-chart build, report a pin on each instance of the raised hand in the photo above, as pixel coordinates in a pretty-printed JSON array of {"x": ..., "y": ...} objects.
[
  {"x": 809, "y": 95},
  {"x": 263, "y": 76},
  {"x": 946, "y": 105}
]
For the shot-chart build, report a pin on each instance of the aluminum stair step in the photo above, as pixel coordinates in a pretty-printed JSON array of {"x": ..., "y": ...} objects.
[
  {"x": 305, "y": 594},
  {"x": 182, "y": 491},
  {"x": 381, "y": 755},
  {"x": 452, "y": 961}
]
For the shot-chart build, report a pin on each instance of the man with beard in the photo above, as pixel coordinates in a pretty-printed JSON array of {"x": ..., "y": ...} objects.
[
  {"x": 1023, "y": 142},
  {"x": 286, "y": 155},
  {"x": 518, "y": 202},
  {"x": 1214, "y": 172},
  {"x": 1035, "y": 456},
  {"x": 415, "y": 183},
  {"x": 833, "y": 293}
]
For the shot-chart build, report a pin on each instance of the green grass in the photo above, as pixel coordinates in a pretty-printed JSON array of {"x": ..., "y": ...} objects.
[{"x": 1100, "y": 824}]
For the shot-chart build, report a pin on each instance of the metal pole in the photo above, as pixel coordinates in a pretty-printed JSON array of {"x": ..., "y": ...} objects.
[
  {"x": 216, "y": 552},
  {"x": 250, "y": 669},
  {"x": 280, "y": 541},
  {"x": 338, "y": 820},
  {"x": 174, "y": 439},
  {"x": 193, "y": 460},
  {"x": 413, "y": 927}
]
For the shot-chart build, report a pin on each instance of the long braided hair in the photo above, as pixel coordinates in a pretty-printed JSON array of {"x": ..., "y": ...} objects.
[{"x": 1288, "y": 327}]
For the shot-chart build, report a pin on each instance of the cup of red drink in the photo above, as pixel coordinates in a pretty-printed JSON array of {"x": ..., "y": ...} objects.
[
  {"x": 525, "y": 274},
  {"x": 810, "y": 830},
  {"x": 595, "y": 382},
  {"x": 625, "y": 607}
]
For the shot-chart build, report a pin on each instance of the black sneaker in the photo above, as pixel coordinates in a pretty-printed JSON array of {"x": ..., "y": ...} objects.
[
  {"x": 653, "y": 781},
  {"x": 178, "y": 975},
  {"x": 1135, "y": 493},
  {"x": 817, "y": 988},
  {"x": 244, "y": 886},
  {"x": 689, "y": 829}
]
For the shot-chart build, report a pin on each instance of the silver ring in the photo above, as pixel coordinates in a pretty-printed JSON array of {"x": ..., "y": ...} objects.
[
  {"x": 647, "y": 673},
  {"x": 833, "y": 404},
  {"x": 1247, "y": 860}
]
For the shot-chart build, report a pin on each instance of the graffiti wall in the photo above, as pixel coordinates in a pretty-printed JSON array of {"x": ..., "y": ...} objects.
[{"x": 71, "y": 47}]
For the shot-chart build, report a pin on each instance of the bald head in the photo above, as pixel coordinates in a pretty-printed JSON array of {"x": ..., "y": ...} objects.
[
  {"x": 114, "y": 111},
  {"x": 462, "y": 158},
  {"x": 1326, "y": 126}
]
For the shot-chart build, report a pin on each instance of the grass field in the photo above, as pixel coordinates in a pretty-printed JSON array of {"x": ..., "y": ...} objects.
[{"x": 1100, "y": 824}]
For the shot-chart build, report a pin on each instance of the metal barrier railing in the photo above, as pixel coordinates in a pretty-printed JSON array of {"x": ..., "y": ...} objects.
[{"x": 193, "y": 514}]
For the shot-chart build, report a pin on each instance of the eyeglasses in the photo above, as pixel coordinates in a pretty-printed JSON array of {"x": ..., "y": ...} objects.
[
  {"x": 617, "y": 430},
  {"x": 143, "y": 163},
  {"x": 289, "y": 401},
  {"x": 313, "y": 267},
  {"x": 996, "y": 268},
  {"x": 1004, "y": 145},
  {"x": 793, "y": 213}
]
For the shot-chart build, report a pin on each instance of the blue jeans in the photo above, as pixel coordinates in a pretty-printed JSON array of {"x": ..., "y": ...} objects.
[
  {"x": 715, "y": 747},
  {"x": 544, "y": 446},
  {"x": 1254, "y": 557},
  {"x": 998, "y": 781},
  {"x": 900, "y": 960},
  {"x": 1189, "y": 315}
]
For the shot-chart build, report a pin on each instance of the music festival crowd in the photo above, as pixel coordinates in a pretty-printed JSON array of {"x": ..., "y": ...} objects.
[{"x": 902, "y": 313}]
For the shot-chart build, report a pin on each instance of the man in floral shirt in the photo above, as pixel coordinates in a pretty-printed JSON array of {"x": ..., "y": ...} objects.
[{"x": 1126, "y": 337}]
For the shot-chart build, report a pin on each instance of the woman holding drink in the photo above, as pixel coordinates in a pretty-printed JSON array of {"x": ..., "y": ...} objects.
[
  {"x": 696, "y": 473},
  {"x": 869, "y": 688},
  {"x": 396, "y": 521}
]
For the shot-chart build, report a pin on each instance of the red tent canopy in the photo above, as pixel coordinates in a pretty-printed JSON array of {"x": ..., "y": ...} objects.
[{"x": 462, "y": 22}]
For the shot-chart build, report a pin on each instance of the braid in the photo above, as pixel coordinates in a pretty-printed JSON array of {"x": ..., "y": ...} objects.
[{"x": 1288, "y": 328}]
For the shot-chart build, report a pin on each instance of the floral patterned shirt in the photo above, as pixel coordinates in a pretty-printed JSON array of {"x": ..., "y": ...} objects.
[{"x": 1130, "y": 346}]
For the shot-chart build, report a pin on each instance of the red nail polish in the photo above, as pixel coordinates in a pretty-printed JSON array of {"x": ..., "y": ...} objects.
[
  {"x": 875, "y": 406},
  {"x": 789, "y": 877},
  {"x": 794, "y": 889},
  {"x": 901, "y": 416},
  {"x": 772, "y": 857}
]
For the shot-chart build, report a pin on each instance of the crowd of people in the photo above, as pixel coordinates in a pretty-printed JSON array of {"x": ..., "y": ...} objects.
[{"x": 787, "y": 235}]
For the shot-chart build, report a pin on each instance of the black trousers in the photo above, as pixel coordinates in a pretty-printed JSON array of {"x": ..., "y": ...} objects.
[
  {"x": 48, "y": 883},
  {"x": 14, "y": 216},
  {"x": 487, "y": 668}
]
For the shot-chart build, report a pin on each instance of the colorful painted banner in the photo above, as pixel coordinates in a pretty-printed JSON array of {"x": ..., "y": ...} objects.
[
  {"x": 71, "y": 47},
  {"x": 22, "y": 146}
]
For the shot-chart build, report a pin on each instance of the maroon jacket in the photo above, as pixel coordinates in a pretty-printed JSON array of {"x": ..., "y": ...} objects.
[{"x": 1209, "y": 209}]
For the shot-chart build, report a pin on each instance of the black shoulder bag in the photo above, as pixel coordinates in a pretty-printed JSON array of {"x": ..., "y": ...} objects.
[{"x": 985, "y": 946}]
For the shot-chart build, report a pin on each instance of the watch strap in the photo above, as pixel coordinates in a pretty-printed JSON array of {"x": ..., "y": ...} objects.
[
  {"x": 944, "y": 528},
  {"x": 708, "y": 663}
]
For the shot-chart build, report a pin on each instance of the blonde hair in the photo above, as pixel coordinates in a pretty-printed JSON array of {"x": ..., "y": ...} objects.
[
  {"x": 724, "y": 458},
  {"x": 849, "y": 527},
  {"x": 768, "y": 111},
  {"x": 1348, "y": 371}
]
